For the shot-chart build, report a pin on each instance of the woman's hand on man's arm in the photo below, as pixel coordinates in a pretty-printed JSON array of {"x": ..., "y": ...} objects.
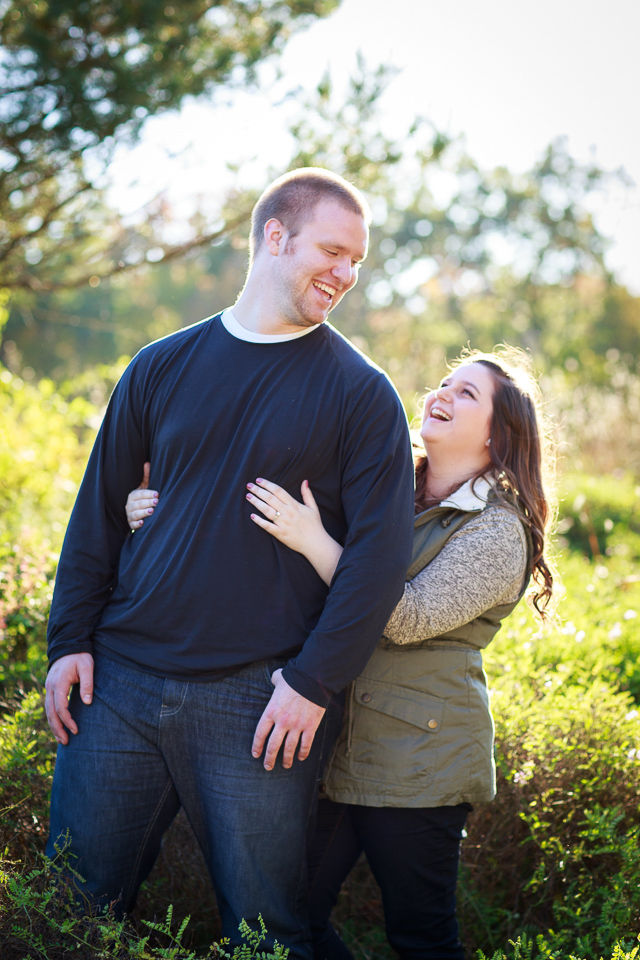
[
  {"x": 296, "y": 525},
  {"x": 140, "y": 502}
]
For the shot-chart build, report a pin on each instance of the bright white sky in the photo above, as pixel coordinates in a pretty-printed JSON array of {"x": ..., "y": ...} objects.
[{"x": 510, "y": 75}]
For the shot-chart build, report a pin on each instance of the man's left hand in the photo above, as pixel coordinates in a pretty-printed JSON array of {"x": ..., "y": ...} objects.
[{"x": 289, "y": 718}]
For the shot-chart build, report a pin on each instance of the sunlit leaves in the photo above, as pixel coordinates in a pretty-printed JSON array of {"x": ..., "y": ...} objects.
[{"x": 77, "y": 77}]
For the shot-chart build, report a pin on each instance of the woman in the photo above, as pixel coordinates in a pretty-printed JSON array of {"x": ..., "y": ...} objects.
[{"x": 416, "y": 747}]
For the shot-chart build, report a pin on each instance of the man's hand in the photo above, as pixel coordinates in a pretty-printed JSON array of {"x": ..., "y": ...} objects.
[
  {"x": 289, "y": 717},
  {"x": 74, "y": 668}
]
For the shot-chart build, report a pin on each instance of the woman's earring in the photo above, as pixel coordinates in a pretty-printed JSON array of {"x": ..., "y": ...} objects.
[{"x": 488, "y": 442}]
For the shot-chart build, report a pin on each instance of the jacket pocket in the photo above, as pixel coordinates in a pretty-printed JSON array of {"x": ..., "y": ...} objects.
[{"x": 395, "y": 733}]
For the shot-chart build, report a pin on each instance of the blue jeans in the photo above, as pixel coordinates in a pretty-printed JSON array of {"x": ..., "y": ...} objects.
[{"x": 147, "y": 746}]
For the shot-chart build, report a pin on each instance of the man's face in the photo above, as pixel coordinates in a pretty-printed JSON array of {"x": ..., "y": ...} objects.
[{"x": 319, "y": 265}]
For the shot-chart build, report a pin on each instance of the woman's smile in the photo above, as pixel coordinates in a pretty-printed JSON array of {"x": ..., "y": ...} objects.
[{"x": 458, "y": 414}]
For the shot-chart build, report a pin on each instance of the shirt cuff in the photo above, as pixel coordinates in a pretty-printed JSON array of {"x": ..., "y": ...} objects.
[
  {"x": 86, "y": 646},
  {"x": 303, "y": 684}
]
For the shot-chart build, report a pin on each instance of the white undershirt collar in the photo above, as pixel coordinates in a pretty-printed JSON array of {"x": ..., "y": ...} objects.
[
  {"x": 468, "y": 496},
  {"x": 232, "y": 326}
]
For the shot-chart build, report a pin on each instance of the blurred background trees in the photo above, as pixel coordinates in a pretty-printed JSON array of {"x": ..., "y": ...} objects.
[
  {"x": 76, "y": 78},
  {"x": 458, "y": 254}
]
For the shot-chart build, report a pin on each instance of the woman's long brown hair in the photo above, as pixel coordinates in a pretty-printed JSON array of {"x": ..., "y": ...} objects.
[{"x": 521, "y": 457}]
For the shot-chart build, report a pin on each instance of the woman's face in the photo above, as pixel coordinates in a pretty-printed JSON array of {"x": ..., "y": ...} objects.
[{"x": 457, "y": 416}]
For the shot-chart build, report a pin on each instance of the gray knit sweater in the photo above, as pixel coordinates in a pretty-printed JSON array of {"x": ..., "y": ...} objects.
[{"x": 480, "y": 566}]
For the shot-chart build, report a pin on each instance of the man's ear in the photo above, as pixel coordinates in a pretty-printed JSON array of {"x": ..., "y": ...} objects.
[{"x": 274, "y": 236}]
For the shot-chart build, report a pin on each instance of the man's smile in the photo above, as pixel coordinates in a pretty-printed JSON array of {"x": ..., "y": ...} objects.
[{"x": 324, "y": 288}]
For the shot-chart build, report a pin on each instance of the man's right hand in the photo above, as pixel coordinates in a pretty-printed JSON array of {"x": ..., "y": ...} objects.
[{"x": 74, "y": 668}]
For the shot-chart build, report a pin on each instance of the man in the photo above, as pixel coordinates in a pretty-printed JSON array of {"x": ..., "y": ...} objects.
[{"x": 173, "y": 638}]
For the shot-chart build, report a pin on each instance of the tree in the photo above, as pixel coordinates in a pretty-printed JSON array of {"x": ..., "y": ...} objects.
[
  {"x": 495, "y": 257},
  {"x": 75, "y": 77}
]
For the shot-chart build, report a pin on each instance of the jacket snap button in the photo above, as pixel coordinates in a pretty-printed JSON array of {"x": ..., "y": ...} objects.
[
  {"x": 365, "y": 697},
  {"x": 432, "y": 724}
]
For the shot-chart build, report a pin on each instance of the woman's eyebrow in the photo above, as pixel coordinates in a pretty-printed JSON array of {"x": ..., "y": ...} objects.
[
  {"x": 463, "y": 383},
  {"x": 468, "y": 383}
]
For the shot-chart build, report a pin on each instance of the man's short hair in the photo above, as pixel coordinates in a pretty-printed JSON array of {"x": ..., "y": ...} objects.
[{"x": 292, "y": 199}]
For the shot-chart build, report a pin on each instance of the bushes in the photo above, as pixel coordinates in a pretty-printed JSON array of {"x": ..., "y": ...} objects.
[
  {"x": 26, "y": 768},
  {"x": 601, "y": 515},
  {"x": 26, "y": 588},
  {"x": 554, "y": 858},
  {"x": 46, "y": 433},
  {"x": 526, "y": 949},
  {"x": 557, "y": 853},
  {"x": 552, "y": 866},
  {"x": 39, "y": 919},
  {"x": 598, "y": 638}
]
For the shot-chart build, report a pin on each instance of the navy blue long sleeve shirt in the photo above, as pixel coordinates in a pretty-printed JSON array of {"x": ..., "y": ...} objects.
[{"x": 200, "y": 590}]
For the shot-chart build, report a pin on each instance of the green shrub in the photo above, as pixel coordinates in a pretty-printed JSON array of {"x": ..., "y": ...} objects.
[
  {"x": 557, "y": 853},
  {"x": 598, "y": 637},
  {"x": 526, "y": 949},
  {"x": 600, "y": 515},
  {"x": 26, "y": 769},
  {"x": 42, "y": 458},
  {"x": 39, "y": 918},
  {"x": 46, "y": 434},
  {"x": 26, "y": 588},
  {"x": 551, "y": 869}
]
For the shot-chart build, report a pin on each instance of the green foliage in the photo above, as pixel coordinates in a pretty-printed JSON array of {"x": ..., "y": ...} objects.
[
  {"x": 526, "y": 949},
  {"x": 26, "y": 588},
  {"x": 90, "y": 70},
  {"x": 595, "y": 401},
  {"x": 45, "y": 437},
  {"x": 77, "y": 77},
  {"x": 557, "y": 852},
  {"x": 597, "y": 639},
  {"x": 551, "y": 868},
  {"x": 253, "y": 938},
  {"x": 601, "y": 515},
  {"x": 26, "y": 769},
  {"x": 39, "y": 918}
]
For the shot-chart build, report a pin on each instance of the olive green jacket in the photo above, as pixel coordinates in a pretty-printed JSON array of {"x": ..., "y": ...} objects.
[{"x": 418, "y": 730}]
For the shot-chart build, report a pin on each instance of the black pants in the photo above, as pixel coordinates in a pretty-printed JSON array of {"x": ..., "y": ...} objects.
[{"x": 413, "y": 854}]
